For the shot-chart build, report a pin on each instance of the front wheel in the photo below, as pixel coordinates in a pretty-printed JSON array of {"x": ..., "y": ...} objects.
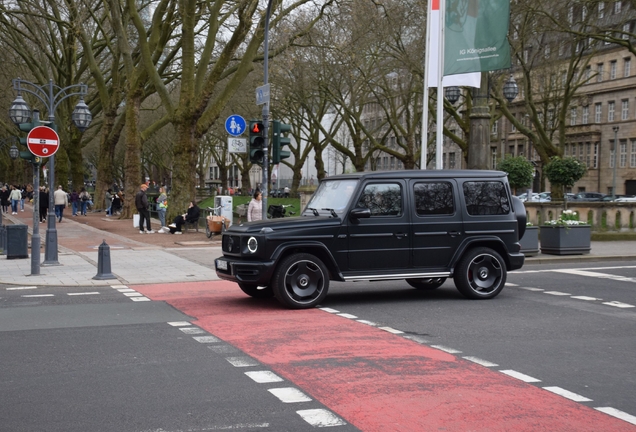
[
  {"x": 208, "y": 233},
  {"x": 255, "y": 291},
  {"x": 481, "y": 274},
  {"x": 426, "y": 283},
  {"x": 300, "y": 281}
]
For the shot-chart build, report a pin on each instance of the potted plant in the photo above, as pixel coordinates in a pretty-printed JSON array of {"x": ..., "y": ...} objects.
[
  {"x": 562, "y": 173},
  {"x": 566, "y": 235},
  {"x": 519, "y": 171},
  {"x": 530, "y": 240}
]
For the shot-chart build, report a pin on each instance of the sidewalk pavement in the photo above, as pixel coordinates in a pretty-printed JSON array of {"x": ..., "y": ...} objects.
[{"x": 165, "y": 258}]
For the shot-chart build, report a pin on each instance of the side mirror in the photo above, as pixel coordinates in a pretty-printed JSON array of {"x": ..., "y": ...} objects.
[{"x": 360, "y": 213}]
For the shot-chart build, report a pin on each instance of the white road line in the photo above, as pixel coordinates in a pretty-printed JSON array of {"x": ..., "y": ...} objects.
[
  {"x": 329, "y": 310},
  {"x": 510, "y": 284},
  {"x": 126, "y": 290},
  {"x": 479, "y": 361},
  {"x": 179, "y": 323},
  {"x": 192, "y": 330},
  {"x": 520, "y": 376},
  {"x": 618, "y": 414},
  {"x": 132, "y": 294},
  {"x": 531, "y": 289},
  {"x": 83, "y": 293},
  {"x": 289, "y": 395},
  {"x": 346, "y": 315},
  {"x": 585, "y": 298},
  {"x": 38, "y": 295},
  {"x": 618, "y": 304},
  {"x": 391, "y": 330},
  {"x": 557, "y": 293},
  {"x": 567, "y": 394},
  {"x": 206, "y": 339},
  {"x": 446, "y": 349},
  {"x": 596, "y": 275},
  {"x": 242, "y": 361},
  {"x": 262, "y": 377},
  {"x": 228, "y": 427},
  {"x": 139, "y": 298},
  {"x": 321, "y": 418},
  {"x": 118, "y": 286},
  {"x": 417, "y": 338},
  {"x": 371, "y": 323},
  {"x": 22, "y": 288}
]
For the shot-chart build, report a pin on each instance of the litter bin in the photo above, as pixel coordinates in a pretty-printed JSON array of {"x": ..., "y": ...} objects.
[
  {"x": 3, "y": 240},
  {"x": 17, "y": 241}
]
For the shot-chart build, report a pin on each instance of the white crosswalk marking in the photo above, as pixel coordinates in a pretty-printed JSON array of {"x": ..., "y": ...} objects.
[{"x": 595, "y": 274}]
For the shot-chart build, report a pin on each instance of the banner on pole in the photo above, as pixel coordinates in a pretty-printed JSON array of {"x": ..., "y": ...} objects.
[{"x": 476, "y": 36}]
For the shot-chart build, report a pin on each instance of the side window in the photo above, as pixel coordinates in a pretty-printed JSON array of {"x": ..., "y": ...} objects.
[
  {"x": 486, "y": 198},
  {"x": 383, "y": 199},
  {"x": 434, "y": 199}
]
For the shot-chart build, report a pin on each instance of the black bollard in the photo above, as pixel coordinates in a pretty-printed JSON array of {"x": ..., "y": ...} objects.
[{"x": 103, "y": 263}]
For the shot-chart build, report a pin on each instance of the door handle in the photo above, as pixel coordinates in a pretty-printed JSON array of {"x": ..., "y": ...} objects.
[
  {"x": 400, "y": 235},
  {"x": 454, "y": 233}
]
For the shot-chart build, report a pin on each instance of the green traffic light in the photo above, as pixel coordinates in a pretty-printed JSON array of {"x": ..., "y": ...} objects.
[{"x": 279, "y": 141}]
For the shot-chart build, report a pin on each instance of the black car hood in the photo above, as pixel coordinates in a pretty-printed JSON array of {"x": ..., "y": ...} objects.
[{"x": 279, "y": 224}]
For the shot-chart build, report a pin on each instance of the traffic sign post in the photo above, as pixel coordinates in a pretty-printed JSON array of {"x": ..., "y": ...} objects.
[
  {"x": 235, "y": 125},
  {"x": 43, "y": 141}
]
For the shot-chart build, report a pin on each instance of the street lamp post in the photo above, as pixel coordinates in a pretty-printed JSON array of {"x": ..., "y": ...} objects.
[
  {"x": 51, "y": 96},
  {"x": 615, "y": 161}
]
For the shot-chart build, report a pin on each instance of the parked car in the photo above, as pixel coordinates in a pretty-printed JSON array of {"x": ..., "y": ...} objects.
[
  {"x": 524, "y": 196},
  {"x": 590, "y": 196},
  {"x": 626, "y": 198},
  {"x": 419, "y": 226},
  {"x": 544, "y": 197}
]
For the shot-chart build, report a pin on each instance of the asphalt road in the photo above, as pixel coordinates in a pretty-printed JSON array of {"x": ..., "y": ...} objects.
[{"x": 108, "y": 359}]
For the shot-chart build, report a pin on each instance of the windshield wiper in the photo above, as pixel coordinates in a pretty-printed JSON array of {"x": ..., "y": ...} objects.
[
  {"x": 314, "y": 211},
  {"x": 332, "y": 211}
]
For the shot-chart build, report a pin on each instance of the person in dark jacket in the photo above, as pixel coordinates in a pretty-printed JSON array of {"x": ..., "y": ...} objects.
[
  {"x": 192, "y": 215},
  {"x": 43, "y": 204},
  {"x": 141, "y": 202}
]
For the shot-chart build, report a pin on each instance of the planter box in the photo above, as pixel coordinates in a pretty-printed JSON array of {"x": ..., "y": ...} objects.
[
  {"x": 530, "y": 241},
  {"x": 561, "y": 240}
]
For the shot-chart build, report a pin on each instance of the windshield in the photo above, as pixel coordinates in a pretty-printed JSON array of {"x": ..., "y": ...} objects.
[{"x": 333, "y": 194}]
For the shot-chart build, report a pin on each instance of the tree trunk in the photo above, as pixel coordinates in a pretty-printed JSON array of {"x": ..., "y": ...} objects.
[{"x": 132, "y": 163}]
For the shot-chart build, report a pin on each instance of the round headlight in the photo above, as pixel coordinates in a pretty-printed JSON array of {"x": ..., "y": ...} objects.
[{"x": 252, "y": 244}]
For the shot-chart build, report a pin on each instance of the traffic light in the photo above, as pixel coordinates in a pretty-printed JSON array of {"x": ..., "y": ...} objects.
[
  {"x": 257, "y": 142},
  {"x": 279, "y": 141},
  {"x": 26, "y": 127}
]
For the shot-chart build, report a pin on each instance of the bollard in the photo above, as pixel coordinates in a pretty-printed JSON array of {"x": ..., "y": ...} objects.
[
  {"x": 103, "y": 263},
  {"x": 3, "y": 240}
]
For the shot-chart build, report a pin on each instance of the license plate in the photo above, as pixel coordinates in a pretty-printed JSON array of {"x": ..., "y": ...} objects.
[{"x": 221, "y": 265}]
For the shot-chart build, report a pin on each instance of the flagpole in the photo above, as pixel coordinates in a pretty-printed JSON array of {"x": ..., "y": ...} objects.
[
  {"x": 440, "y": 88},
  {"x": 427, "y": 63}
]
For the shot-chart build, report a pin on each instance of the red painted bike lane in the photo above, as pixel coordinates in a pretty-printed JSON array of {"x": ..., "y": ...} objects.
[{"x": 375, "y": 380}]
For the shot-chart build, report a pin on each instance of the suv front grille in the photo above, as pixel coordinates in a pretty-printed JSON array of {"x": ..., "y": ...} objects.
[{"x": 231, "y": 244}]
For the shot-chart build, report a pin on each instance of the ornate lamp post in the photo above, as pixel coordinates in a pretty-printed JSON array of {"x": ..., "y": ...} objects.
[
  {"x": 510, "y": 89},
  {"x": 51, "y": 96},
  {"x": 452, "y": 94}
]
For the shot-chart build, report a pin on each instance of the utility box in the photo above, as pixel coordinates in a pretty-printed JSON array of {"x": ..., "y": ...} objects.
[
  {"x": 17, "y": 241},
  {"x": 225, "y": 202},
  {"x": 3, "y": 240}
]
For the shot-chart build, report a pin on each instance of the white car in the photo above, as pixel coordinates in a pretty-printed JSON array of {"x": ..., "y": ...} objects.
[{"x": 626, "y": 199}]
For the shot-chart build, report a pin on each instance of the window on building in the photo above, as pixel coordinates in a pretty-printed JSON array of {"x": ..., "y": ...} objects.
[
  {"x": 573, "y": 112},
  {"x": 627, "y": 68},
  {"x": 623, "y": 159},
  {"x": 601, "y": 9},
  {"x": 565, "y": 150},
  {"x": 624, "y": 109},
  {"x": 584, "y": 12},
  {"x": 495, "y": 127},
  {"x": 625, "y": 34},
  {"x": 611, "y": 107},
  {"x": 581, "y": 154},
  {"x": 511, "y": 150},
  {"x": 451, "y": 160},
  {"x": 493, "y": 157},
  {"x": 618, "y": 5},
  {"x": 550, "y": 119},
  {"x": 512, "y": 125},
  {"x": 595, "y": 158},
  {"x": 632, "y": 156},
  {"x": 571, "y": 14},
  {"x": 599, "y": 72},
  {"x": 520, "y": 150},
  {"x": 588, "y": 73},
  {"x": 564, "y": 78},
  {"x": 586, "y": 115},
  {"x": 546, "y": 51},
  {"x": 598, "y": 110},
  {"x": 561, "y": 49},
  {"x": 444, "y": 164},
  {"x": 612, "y": 154},
  {"x": 588, "y": 154},
  {"x": 613, "y": 69}
]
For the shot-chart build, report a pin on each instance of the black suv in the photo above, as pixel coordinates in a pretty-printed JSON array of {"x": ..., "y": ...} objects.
[{"x": 421, "y": 226}]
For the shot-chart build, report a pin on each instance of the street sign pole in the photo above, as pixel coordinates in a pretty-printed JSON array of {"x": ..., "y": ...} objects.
[{"x": 266, "y": 110}]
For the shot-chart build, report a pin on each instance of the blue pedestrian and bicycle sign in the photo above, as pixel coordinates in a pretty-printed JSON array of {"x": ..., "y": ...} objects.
[{"x": 235, "y": 125}]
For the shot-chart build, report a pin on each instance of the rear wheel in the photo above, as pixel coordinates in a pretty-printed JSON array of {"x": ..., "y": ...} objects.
[
  {"x": 208, "y": 233},
  {"x": 255, "y": 291},
  {"x": 426, "y": 283},
  {"x": 301, "y": 281},
  {"x": 481, "y": 274}
]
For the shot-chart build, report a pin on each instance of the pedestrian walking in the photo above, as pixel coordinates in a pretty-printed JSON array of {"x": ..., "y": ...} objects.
[
  {"x": 4, "y": 199},
  {"x": 44, "y": 203},
  {"x": 60, "y": 199},
  {"x": 162, "y": 206},
  {"x": 108, "y": 198},
  {"x": 74, "y": 202},
  {"x": 141, "y": 202},
  {"x": 255, "y": 208},
  {"x": 15, "y": 196},
  {"x": 84, "y": 199}
]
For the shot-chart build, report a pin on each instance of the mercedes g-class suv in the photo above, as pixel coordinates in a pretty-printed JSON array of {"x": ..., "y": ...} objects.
[{"x": 420, "y": 226}]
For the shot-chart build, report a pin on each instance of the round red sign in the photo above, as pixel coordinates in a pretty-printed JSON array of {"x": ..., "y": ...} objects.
[{"x": 43, "y": 141}]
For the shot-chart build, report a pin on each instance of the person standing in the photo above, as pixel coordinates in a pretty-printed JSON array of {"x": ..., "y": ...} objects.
[
  {"x": 84, "y": 198},
  {"x": 255, "y": 208},
  {"x": 141, "y": 202},
  {"x": 44, "y": 203},
  {"x": 109, "y": 201},
  {"x": 162, "y": 206},
  {"x": 74, "y": 202},
  {"x": 4, "y": 199},
  {"x": 60, "y": 198},
  {"x": 15, "y": 196}
]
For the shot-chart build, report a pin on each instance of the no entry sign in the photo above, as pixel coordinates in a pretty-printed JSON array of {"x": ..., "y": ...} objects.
[{"x": 43, "y": 141}]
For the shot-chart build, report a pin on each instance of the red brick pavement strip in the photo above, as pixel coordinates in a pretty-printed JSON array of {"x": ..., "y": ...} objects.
[{"x": 86, "y": 233}]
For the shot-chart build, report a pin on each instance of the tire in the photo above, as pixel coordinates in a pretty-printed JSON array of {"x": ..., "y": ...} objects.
[
  {"x": 208, "y": 233},
  {"x": 481, "y": 274},
  {"x": 301, "y": 281},
  {"x": 426, "y": 283},
  {"x": 256, "y": 291}
]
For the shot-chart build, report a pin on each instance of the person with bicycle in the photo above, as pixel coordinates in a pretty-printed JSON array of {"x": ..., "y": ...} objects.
[
  {"x": 255, "y": 209},
  {"x": 192, "y": 215}
]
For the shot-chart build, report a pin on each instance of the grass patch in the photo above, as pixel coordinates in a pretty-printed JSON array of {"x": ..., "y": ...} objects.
[{"x": 616, "y": 236}]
